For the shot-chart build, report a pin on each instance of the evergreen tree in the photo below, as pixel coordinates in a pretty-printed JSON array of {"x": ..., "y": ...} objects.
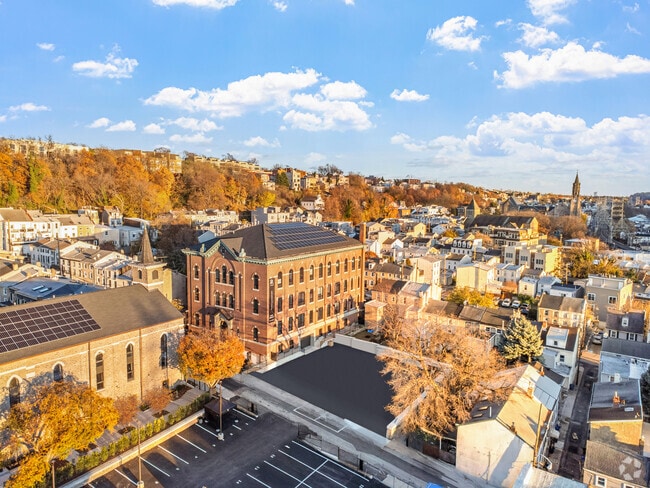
[
  {"x": 645, "y": 392},
  {"x": 521, "y": 341}
]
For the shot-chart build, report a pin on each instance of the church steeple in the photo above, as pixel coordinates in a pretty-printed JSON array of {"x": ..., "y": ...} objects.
[
  {"x": 575, "y": 192},
  {"x": 146, "y": 254},
  {"x": 574, "y": 206}
]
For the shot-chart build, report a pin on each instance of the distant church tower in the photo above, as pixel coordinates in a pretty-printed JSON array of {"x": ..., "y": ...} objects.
[
  {"x": 151, "y": 273},
  {"x": 574, "y": 206}
]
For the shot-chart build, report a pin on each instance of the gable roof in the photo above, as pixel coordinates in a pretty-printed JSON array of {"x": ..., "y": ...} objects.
[
  {"x": 563, "y": 304},
  {"x": 516, "y": 221}
]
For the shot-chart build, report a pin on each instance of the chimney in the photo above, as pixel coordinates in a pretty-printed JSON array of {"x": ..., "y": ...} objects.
[{"x": 616, "y": 400}]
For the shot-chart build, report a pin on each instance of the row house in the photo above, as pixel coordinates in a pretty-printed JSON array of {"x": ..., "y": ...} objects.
[
  {"x": 18, "y": 230},
  {"x": 476, "y": 276},
  {"x": 627, "y": 325},
  {"x": 408, "y": 298},
  {"x": 562, "y": 352},
  {"x": 278, "y": 286},
  {"x": 622, "y": 360},
  {"x": 377, "y": 271},
  {"x": 562, "y": 311},
  {"x": 466, "y": 245},
  {"x": 47, "y": 252},
  {"x": 104, "y": 268},
  {"x": 275, "y": 215},
  {"x": 541, "y": 257},
  {"x": 508, "y": 273},
  {"x": 604, "y": 292},
  {"x": 507, "y": 230}
]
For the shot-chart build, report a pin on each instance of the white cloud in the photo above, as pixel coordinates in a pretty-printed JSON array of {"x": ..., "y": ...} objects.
[
  {"x": 407, "y": 142},
  {"x": 316, "y": 113},
  {"x": 456, "y": 34},
  {"x": 58, "y": 59},
  {"x": 100, "y": 122},
  {"x": 349, "y": 2},
  {"x": 153, "y": 129},
  {"x": 46, "y": 46},
  {"x": 114, "y": 67},
  {"x": 267, "y": 91},
  {"x": 632, "y": 30},
  {"x": 501, "y": 23},
  {"x": 3, "y": 118},
  {"x": 549, "y": 11},
  {"x": 196, "y": 138},
  {"x": 279, "y": 5},
  {"x": 534, "y": 36},
  {"x": 631, "y": 8},
  {"x": 124, "y": 126},
  {"x": 260, "y": 141},
  {"x": 339, "y": 90},
  {"x": 569, "y": 63},
  {"x": 408, "y": 96},
  {"x": 195, "y": 125},
  {"x": 29, "y": 107},
  {"x": 213, "y": 4}
]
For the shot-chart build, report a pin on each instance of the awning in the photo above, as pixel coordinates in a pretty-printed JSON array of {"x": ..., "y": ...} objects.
[{"x": 212, "y": 407}]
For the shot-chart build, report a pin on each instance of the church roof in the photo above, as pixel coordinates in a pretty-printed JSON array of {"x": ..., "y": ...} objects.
[{"x": 146, "y": 254}]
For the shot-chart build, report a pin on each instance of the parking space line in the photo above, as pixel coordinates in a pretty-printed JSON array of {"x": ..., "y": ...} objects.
[
  {"x": 260, "y": 482},
  {"x": 207, "y": 430},
  {"x": 191, "y": 443},
  {"x": 172, "y": 454},
  {"x": 314, "y": 470},
  {"x": 315, "y": 419},
  {"x": 242, "y": 413},
  {"x": 156, "y": 467},
  {"x": 286, "y": 474},
  {"x": 328, "y": 459},
  {"x": 238, "y": 428},
  {"x": 120, "y": 473}
]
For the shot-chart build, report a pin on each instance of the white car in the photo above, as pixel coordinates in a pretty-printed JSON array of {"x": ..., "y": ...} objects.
[
  {"x": 515, "y": 303},
  {"x": 505, "y": 302}
]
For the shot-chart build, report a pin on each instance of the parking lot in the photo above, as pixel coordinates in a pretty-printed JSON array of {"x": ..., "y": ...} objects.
[{"x": 260, "y": 452}]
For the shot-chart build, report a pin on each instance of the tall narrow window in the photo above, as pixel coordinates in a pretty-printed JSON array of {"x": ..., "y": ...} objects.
[
  {"x": 231, "y": 301},
  {"x": 217, "y": 276},
  {"x": 256, "y": 306},
  {"x": 301, "y": 298},
  {"x": 196, "y": 272},
  {"x": 279, "y": 327},
  {"x": 290, "y": 277},
  {"x": 14, "y": 392},
  {"x": 320, "y": 270},
  {"x": 130, "y": 369},
  {"x": 256, "y": 282},
  {"x": 280, "y": 279},
  {"x": 139, "y": 274},
  {"x": 311, "y": 272},
  {"x": 290, "y": 327},
  {"x": 280, "y": 304},
  {"x": 329, "y": 269},
  {"x": 224, "y": 274},
  {"x": 256, "y": 334},
  {"x": 338, "y": 266},
  {"x": 345, "y": 265},
  {"x": 197, "y": 294},
  {"x": 301, "y": 275},
  {"x": 231, "y": 277},
  {"x": 99, "y": 371},
  {"x": 197, "y": 319},
  {"x": 163, "y": 350},
  {"x": 57, "y": 373}
]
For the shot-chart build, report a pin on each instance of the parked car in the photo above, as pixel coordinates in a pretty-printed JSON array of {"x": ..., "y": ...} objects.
[
  {"x": 515, "y": 303},
  {"x": 505, "y": 302},
  {"x": 524, "y": 309}
]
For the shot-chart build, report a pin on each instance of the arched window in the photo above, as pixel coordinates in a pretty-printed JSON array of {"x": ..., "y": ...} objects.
[
  {"x": 311, "y": 272},
  {"x": 351, "y": 283},
  {"x": 290, "y": 326},
  {"x": 223, "y": 299},
  {"x": 163, "y": 350},
  {"x": 231, "y": 277},
  {"x": 301, "y": 275},
  {"x": 290, "y": 302},
  {"x": 231, "y": 301},
  {"x": 345, "y": 286},
  {"x": 280, "y": 303},
  {"x": 290, "y": 277},
  {"x": 224, "y": 274},
  {"x": 196, "y": 272},
  {"x": 139, "y": 274},
  {"x": 329, "y": 290},
  {"x": 345, "y": 265},
  {"x": 338, "y": 266},
  {"x": 256, "y": 306},
  {"x": 99, "y": 371},
  {"x": 301, "y": 298},
  {"x": 256, "y": 282},
  {"x": 197, "y": 294},
  {"x": 354, "y": 266},
  {"x": 154, "y": 274},
  {"x": 280, "y": 279},
  {"x": 14, "y": 392},
  {"x": 57, "y": 372},
  {"x": 320, "y": 270},
  {"x": 256, "y": 334},
  {"x": 311, "y": 296},
  {"x": 329, "y": 269},
  {"x": 217, "y": 276},
  {"x": 130, "y": 367},
  {"x": 197, "y": 319}
]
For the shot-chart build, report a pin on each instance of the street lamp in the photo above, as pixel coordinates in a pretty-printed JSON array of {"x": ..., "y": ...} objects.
[{"x": 140, "y": 483}]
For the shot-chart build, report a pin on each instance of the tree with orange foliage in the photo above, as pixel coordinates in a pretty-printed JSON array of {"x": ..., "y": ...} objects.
[{"x": 52, "y": 421}]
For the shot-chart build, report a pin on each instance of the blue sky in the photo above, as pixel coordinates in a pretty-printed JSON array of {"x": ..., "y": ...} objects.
[{"x": 503, "y": 94}]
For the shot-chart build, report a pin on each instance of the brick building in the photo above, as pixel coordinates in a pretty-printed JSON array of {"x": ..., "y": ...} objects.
[
  {"x": 120, "y": 342},
  {"x": 279, "y": 286}
]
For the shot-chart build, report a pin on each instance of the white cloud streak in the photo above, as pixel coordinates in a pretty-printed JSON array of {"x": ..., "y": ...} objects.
[
  {"x": 211, "y": 4},
  {"x": 279, "y": 6},
  {"x": 124, "y": 126},
  {"x": 195, "y": 125},
  {"x": 339, "y": 90},
  {"x": 153, "y": 129},
  {"x": 29, "y": 107},
  {"x": 408, "y": 96},
  {"x": 535, "y": 36},
  {"x": 114, "y": 67},
  {"x": 46, "y": 46},
  {"x": 456, "y": 34},
  {"x": 197, "y": 138},
  {"x": 259, "y": 141},
  {"x": 550, "y": 11},
  {"x": 571, "y": 63},
  {"x": 99, "y": 123}
]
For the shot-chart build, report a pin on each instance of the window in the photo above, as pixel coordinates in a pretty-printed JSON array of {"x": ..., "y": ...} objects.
[
  {"x": 290, "y": 302},
  {"x": 311, "y": 296},
  {"x": 311, "y": 316},
  {"x": 154, "y": 274},
  {"x": 256, "y": 306},
  {"x": 591, "y": 297},
  {"x": 319, "y": 313},
  {"x": 311, "y": 272},
  {"x": 329, "y": 290},
  {"x": 139, "y": 274},
  {"x": 320, "y": 292},
  {"x": 130, "y": 370},
  {"x": 301, "y": 275},
  {"x": 279, "y": 327},
  {"x": 217, "y": 276},
  {"x": 290, "y": 324},
  {"x": 338, "y": 267},
  {"x": 197, "y": 294},
  {"x": 99, "y": 371},
  {"x": 197, "y": 319},
  {"x": 163, "y": 350},
  {"x": 256, "y": 282},
  {"x": 256, "y": 334},
  {"x": 290, "y": 277},
  {"x": 231, "y": 301},
  {"x": 353, "y": 264},
  {"x": 337, "y": 288},
  {"x": 301, "y": 320},
  {"x": 600, "y": 481},
  {"x": 196, "y": 272},
  {"x": 223, "y": 299},
  {"x": 280, "y": 279},
  {"x": 611, "y": 300},
  {"x": 301, "y": 298},
  {"x": 561, "y": 358},
  {"x": 345, "y": 286},
  {"x": 14, "y": 392},
  {"x": 280, "y": 301},
  {"x": 345, "y": 265},
  {"x": 231, "y": 278},
  {"x": 57, "y": 373},
  {"x": 320, "y": 270},
  {"x": 329, "y": 269}
]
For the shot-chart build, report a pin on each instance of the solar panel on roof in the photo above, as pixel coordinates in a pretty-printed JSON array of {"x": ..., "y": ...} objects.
[
  {"x": 297, "y": 235},
  {"x": 44, "y": 323}
]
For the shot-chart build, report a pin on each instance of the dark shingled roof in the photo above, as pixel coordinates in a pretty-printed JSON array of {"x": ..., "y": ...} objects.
[
  {"x": 275, "y": 241},
  {"x": 563, "y": 304},
  {"x": 389, "y": 286},
  {"x": 635, "y": 321},
  {"x": 115, "y": 311},
  {"x": 612, "y": 461},
  {"x": 485, "y": 220},
  {"x": 605, "y": 408},
  {"x": 632, "y": 349}
]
